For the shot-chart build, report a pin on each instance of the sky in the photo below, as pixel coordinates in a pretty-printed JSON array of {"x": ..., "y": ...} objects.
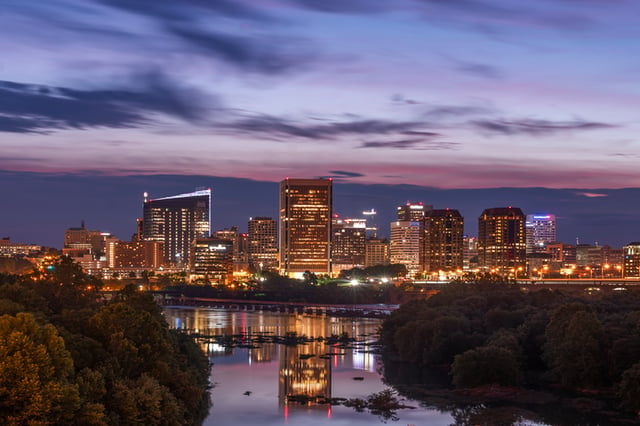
[{"x": 421, "y": 98}]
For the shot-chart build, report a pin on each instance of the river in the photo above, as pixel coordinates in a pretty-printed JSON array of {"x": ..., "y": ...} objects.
[{"x": 259, "y": 382}]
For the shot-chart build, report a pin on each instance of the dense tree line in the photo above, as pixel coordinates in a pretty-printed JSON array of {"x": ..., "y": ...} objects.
[
  {"x": 493, "y": 333},
  {"x": 67, "y": 357}
]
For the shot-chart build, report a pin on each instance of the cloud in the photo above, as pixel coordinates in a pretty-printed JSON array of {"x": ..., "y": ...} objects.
[
  {"x": 346, "y": 174},
  {"x": 479, "y": 70},
  {"x": 168, "y": 10},
  {"x": 279, "y": 127},
  {"x": 343, "y": 6},
  {"x": 417, "y": 144},
  {"x": 591, "y": 194},
  {"x": 269, "y": 55},
  {"x": 487, "y": 15},
  {"x": 445, "y": 111},
  {"x": 235, "y": 32},
  {"x": 536, "y": 127},
  {"x": 37, "y": 108},
  {"x": 400, "y": 99}
]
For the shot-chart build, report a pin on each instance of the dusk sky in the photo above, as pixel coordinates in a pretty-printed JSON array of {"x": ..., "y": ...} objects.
[{"x": 448, "y": 95}]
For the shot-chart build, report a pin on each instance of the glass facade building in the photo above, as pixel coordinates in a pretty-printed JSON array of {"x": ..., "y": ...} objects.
[
  {"x": 501, "y": 239},
  {"x": 305, "y": 226},
  {"x": 177, "y": 221}
]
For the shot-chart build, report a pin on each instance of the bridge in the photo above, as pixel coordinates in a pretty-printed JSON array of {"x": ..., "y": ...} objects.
[{"x": 369, "y": 311}]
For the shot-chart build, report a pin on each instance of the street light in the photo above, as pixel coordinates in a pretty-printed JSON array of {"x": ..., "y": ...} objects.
[
  {"x": 519, "y": 268},
  {"x": 588, "y": 268},
  {"x": 605, "y": 266}
]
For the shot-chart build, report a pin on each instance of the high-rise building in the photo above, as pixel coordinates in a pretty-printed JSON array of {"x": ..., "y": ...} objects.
[
  {"x": 348, "y": 243},
  {"x": 377, "y": 252},
  {"x": 405, "y": 244},
  {"x": 540, "y": 230},
  {"x": 443, "y": 232},
  {"x": 212, "y": 259},
  {"x": 413, "y": 212},
  {"x": 469, "y": 253},
  {"x": 177, "y": 221},
  {"x": 305, "y": 226},
  {"x": 263, "y": 243},
  {"x": 501, "y": 239},
  {"x": 631, "y": 268},
  {"x": 240, "y": 246}
]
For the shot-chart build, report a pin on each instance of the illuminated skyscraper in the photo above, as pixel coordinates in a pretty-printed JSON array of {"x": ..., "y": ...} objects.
[
  {"x": 305, "y": 226},
  {"x": 413, "y": 212},
  {"x": 348, "y": 243},
  {"x": 212, "y": 259},
  {"x": 404, "y": 247},
  {"x": 501, "y": 239},
  {"x": 376, "y": 252},
  {"x": 632, "y": 260},
  {"x": 177, "y": 221},
  {"x": 443, "y": 232},
  {"x": 263, "y": 243},
  {"x": 541, "y": 230}
]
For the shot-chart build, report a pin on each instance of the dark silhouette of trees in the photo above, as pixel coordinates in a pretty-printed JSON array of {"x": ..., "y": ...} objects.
[
  {"x": 68, "y": 357},
  {"x": 490, "y": 332}
]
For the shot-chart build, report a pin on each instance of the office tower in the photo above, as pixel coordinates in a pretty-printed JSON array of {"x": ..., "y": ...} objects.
[
  {"x": 404, "y": 247},
  {"x": 211, "y": 259},
  {"x": 376, "y": 252},
  {"x": 540, "y": 230},
  {"x": 372, "y": 228},
  {"x": 348, "y": 243},
  {"x": 413, "y": 212},
  {"x": 263, "y": 243},
  {"x": 501, "y": 239},
  {"x": 469, "y": 253},
  {"x": 305, "y": 226},
  {"x": 443, "y": 232},
  {"x": 631, "y": 267},
  {"x": 177, "y": 221}
]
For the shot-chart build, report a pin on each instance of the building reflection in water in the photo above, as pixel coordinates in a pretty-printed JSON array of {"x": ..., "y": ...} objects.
[
  {"x": 305, "y": 374},
  {"x": 304, "y": 369}
]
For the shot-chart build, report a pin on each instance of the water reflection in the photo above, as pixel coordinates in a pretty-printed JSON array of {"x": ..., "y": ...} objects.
[
  {"x": 305, "y": 374},
  {"x": 259, "y": 381}
]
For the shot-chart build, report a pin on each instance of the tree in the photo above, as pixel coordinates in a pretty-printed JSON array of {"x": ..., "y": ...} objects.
[
  {"x": 35, "y": 373},
  {"x": 486, "y": 365},
  {"x": 629, "y": 389},
  {"x": 573, "y": 346}
]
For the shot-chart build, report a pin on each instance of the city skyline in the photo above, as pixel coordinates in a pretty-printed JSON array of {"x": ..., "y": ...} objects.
[
  {"x": 464, "y": 104},
  {"x": 113, "y": 204}
]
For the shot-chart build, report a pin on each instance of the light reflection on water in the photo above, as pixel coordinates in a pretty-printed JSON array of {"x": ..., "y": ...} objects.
[{"x": 251, "y": 385}]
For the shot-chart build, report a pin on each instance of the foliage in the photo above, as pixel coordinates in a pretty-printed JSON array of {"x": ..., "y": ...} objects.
[
  {"x": 68, "y": 357},
  {"x": 35, "y": 373},
  {"x": 630, "y": 388},
  {"x": 485, "y": 365},
  {"x": 491, "y": 332}
]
